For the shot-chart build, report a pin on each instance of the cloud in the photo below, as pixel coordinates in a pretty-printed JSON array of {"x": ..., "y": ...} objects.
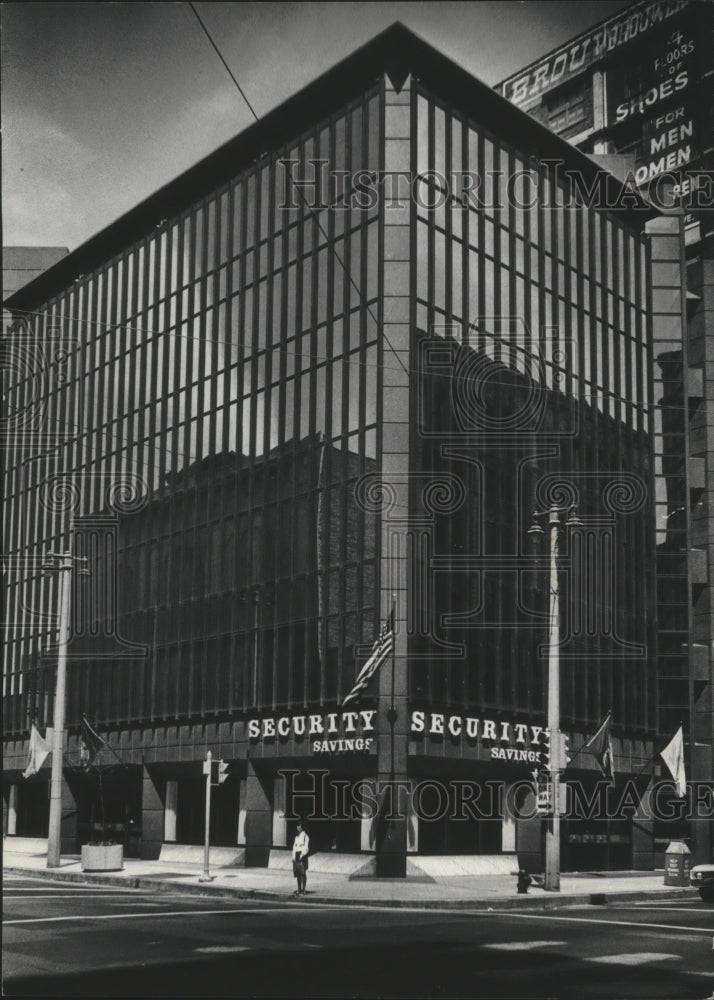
[{"x": 43, "y": 168}]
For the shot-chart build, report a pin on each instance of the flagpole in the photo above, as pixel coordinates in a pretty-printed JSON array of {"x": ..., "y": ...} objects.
[
  {"x": 392, "y": 711},
  {"x": 393, "y": 615},
  {"x": 64, "y": 564},
  {"x": 574, "y": 753},
  {"x": 104, "y": 742}
]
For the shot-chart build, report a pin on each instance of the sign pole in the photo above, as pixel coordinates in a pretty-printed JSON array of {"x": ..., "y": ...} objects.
[
  {"x": 552, "y": 837},
  {"x": 207, "y": 877},
  {"x": 55, "y": 824}
]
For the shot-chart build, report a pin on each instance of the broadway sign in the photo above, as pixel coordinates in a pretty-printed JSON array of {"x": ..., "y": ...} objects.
[{"x": 590, "y": 48}]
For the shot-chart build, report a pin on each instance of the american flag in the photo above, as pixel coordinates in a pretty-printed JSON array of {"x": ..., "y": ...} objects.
[
  {"x": 600, "y": 746},
  {"x": 381, "y": 651}
]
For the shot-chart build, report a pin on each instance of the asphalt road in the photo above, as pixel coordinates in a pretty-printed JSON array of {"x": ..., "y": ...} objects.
[{"x": 65, "y": 939}]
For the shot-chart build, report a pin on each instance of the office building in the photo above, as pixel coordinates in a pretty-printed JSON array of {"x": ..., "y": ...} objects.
[{"x": 314, "y": 386}]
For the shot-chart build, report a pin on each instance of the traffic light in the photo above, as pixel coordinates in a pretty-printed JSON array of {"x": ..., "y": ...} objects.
[
  {"x": 555, "y": 750},
  {"x": 219, "y": 772},
  {"x": 563, "y": 750},
  {"x": 546, "y": 753}
]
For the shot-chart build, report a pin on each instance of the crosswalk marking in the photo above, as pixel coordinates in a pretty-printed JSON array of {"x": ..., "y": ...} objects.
[
  {"x": 681, "y": 909},
  {"x": 57, "y": 895},
  {"x": 634, "y": 958},
  {"x": 516, "y": 915},
  {"x": 146, "y": 916},
  {"x": 222, "y": 949},
  {"x": 521, "y": 945}
]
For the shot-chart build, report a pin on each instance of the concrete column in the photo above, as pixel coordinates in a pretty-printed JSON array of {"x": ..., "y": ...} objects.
[
  {"x": 643, "y": 840},
  {"x": 367, "y": 821},
  {"x": 391, "y": 832},
  {"x": 241, "y": 812},
  {"x": 700, "y": 350},
  {"x": 412, "y": 822},
  {"x": 12, "y": 811},
  {"x": 152, "y": 816},
  {"x": 508, "y": 835},
  {"x": 258, "y": 818},
  {"x": 69, "y": 820},
  {"x": 529, "y": 843},
  {"x": 170, "y": 811},
  {"x": 280, "y": 827}
]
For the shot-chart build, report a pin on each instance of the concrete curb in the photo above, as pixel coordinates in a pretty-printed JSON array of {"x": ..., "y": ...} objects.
[{"x": 525, "y": 902}]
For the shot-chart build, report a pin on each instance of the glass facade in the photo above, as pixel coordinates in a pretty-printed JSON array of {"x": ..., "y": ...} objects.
[
  {"x": 652, "y": 111},
  {"x": 542, "y": 304},
  {"x": 223, "y": 400},
  {"x": 222, "y": 373}
]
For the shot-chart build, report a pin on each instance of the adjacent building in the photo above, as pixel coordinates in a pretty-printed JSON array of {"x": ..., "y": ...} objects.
[
  {"x": 21, "y": 264},
  {"x": 307, "y": 395},
  {"x": 637, "y": 93}
]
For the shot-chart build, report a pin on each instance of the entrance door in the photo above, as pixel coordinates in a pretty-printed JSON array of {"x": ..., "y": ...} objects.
[
  {"x": 326, "y": 809},
  {"x": 191, "y": 811},
  {"x": 33, "y": 809},
  {"x": 447, "y": 826}
]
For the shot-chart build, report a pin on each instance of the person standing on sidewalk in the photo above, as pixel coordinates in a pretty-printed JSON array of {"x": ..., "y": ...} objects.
[{"x": 301, "y": 847}]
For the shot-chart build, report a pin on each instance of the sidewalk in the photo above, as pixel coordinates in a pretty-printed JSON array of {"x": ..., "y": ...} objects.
[{"x": 448, "y": 892}]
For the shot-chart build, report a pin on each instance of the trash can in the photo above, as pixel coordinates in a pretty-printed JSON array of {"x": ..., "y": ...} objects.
[{"x": 677, "y": 863}]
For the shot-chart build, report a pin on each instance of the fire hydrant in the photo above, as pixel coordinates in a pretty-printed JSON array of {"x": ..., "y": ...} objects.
[{"x": 524, "y": 880}]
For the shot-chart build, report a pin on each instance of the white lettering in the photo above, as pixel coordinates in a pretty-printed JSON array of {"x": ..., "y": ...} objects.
[
  {"x": 367, "y": 720},
  {"x": 638, "y": 105},
  {"x": 521, "y": 731},
  {"x": 489, "y": 730},
  {"x": 253, "y": 729},
  {"x": 672, "y": 161},
  {"x": 669, "y": 117},
  {"x": 417, "y": 722},
  {"x": 283, "y": 726},
  {"x": 316, "y": 725},
  {"x": 268, "y": 728},
  {"x": 455, "y": 725},
  {"x": 437, "y": 723},
  {"x": 299, "y": 725},
  {"x": 472, "y": 728},
  {"x": 576, "y": 56},
  {"x": 350, "y": 721}
]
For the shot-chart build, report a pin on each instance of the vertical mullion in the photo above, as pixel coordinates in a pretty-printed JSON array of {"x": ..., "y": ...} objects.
[{"x": 230, "y": 482}]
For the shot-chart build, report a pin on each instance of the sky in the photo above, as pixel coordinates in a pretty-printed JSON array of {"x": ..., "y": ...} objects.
[{"x": 103, "y": 103}]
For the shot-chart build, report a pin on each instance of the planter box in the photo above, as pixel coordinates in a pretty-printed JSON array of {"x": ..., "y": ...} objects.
[{"x": 102, "y": 857}]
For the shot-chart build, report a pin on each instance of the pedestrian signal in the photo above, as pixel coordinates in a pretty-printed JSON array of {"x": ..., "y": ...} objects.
[{"x": 219, "y": 772}]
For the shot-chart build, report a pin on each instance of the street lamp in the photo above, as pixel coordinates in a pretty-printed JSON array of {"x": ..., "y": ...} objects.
[
  {"x": 552, "y": 838},
  {"x": 63, "y": 563}
]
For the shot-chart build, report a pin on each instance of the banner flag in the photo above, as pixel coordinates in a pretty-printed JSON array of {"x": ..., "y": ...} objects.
[
  {"x": 673, "y": 756},
  {"x": 600, "y": 746},
  {"x": 91, "y": 744},
  {"x": 37, "y": 754},
  {"x": 381, "y": 651}
]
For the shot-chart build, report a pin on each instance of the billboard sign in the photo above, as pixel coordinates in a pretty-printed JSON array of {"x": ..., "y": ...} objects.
[{"x": 589, "y": 48}]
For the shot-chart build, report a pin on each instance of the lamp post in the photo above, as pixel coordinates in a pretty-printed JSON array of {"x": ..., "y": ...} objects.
[
  {"x": 64, "y": 564},
  {"x": 552, "y": 838}
]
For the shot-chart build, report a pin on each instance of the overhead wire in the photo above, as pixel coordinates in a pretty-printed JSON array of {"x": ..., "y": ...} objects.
[{"x": 301, "y": 195}]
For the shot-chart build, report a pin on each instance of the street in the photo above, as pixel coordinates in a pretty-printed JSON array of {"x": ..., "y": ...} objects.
[{"x": 67, "y": 939}]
